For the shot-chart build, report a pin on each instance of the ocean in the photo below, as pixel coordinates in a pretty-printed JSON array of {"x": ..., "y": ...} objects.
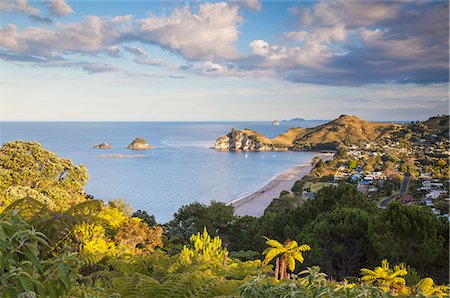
[{"x": 181, "y": 169}]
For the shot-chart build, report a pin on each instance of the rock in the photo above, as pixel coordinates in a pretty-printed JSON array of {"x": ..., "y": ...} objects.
[
  {"x": 139, "y": 144},
  {"x": 246, "y": 140},
  {"x": 103, "y": 146}
]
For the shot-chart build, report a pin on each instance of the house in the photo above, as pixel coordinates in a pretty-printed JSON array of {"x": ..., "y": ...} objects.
[
  {"x": 436, "y": 193},
  {"x": 435, "y": 211},
  {"x": 368, "y": 178},
  {"x": 429, "y": 203},
  {"x": 356, "y": 177},
  {"x": 308, "y": 195},
  {"x": 407, "y": 199}
]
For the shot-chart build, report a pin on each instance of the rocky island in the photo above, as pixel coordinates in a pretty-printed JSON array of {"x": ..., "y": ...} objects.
[
  {"x": 139, "y": 144},
  {"x": 346, "y": 130},
  {"x": 103, "y": 145}
]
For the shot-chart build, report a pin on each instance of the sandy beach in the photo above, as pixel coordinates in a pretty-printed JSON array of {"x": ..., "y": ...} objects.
[{"x": 255, "y": 203}]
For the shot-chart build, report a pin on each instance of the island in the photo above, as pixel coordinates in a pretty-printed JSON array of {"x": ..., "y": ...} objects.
[
  {"x": 103, "y": 145},
  {"x": 140, "y": 144}
]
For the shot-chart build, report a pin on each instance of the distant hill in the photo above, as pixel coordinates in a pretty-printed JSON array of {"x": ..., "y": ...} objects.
[
  {"x": 346, "y": 130},
  {"x": 300, "y": 122}
]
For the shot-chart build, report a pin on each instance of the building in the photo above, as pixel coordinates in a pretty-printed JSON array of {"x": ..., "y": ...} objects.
[{"x": 407, "y": 199}]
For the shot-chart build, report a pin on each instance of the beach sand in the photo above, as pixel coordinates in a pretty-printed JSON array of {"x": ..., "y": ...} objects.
[{"x": 255, "y": 203}]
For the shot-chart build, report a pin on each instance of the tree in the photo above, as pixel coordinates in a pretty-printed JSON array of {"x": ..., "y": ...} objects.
[
  {"x": 190, "y": 219},
  {"x": 27, "y": 169},
  {"x": 428, "y": 288},
  {"x": 352, "y": 164},
  {"x": 23, "y": 268},
  {"x": 289, "y": 252},
  {"x": 386, "y": 278},
  {"x": 298, "y": 186},
  {"x": 148, "y": 219},
  {"x": 137, "y": 237},
  {"x": 340, "y": 241},
  {"x": 411, "y": 234}
]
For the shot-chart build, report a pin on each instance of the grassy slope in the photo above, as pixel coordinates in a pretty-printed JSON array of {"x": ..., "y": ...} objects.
[{"x": 345, "y": 129}]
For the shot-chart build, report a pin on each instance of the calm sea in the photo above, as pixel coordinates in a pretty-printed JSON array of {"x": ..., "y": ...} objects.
[{"x": 180, "y": 170}]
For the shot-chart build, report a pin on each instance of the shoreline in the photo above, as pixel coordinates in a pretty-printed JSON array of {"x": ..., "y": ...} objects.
[{"x": 255, "y": 203}]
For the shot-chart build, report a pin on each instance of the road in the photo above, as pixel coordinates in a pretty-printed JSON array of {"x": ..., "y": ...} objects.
[{"x": 402, "y": 191}]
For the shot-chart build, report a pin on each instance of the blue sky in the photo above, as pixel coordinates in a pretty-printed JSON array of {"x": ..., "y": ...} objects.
[{"x": 238, "y": 60}]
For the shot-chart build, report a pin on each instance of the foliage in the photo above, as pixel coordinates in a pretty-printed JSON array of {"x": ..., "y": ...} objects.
[
  {"x": 289, "y": 252},
  {"x": 148, "y": 219},
  {"x": 23, "y": 270},
  {"x": 137, "y": 237},
  {"x": 27, "y": 169},
  {"x": 386, "y": 278},
  {"x": 414, "y": 235},
  {"x": 340, "y": 241}
]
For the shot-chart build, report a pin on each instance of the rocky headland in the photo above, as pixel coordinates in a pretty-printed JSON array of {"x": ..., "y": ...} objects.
[
  {"x": 346, "y": 130},
  {"x": 139, "y": 144},
  {"x": 246, "y": 140}
]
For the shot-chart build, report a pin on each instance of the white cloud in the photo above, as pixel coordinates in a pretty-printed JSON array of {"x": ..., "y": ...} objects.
[
  {"x": 59, "y": 8},
  {"x": 259, "y": 47},
  {"x": 93, "y": 35},
  {"x": 254, "y": 5},
  {"x": 207, "y": 35},
  {"x": 138, "y": 52},
  {"x": 20, "y": 6}
]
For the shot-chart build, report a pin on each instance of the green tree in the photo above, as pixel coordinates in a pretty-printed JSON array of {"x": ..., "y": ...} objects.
[
  {"x": 24, "y": 272},
  {"x": 340, "y": 241},
  {"x": 192, "y": 218},
  {"x": 298, "y": 186},
  {"x": 411, "y": 234},
  {"x": 27, "y": 169}
]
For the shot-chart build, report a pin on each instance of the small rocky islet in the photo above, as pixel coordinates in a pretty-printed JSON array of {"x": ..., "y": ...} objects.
[
  {"x": 103, "y": 145},
  {"x": 140, "y": 144}
]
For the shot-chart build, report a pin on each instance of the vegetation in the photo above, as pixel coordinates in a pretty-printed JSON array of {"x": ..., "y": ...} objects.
[{"x": 55, "y": 241}]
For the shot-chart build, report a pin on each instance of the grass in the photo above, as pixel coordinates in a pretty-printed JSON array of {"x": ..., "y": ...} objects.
[{"x": 316, "y": 186}]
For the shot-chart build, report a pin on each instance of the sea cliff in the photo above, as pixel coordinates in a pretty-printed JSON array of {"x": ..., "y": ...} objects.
[{"x": 246, "y": 140}]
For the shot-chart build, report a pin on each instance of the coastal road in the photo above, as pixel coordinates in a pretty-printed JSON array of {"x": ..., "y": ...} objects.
[{"x": 402, "y": 191}]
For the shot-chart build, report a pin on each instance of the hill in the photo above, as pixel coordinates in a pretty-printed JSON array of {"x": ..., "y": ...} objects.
[
  {"x": 346, "y": 130},
  {"x": 438, "y": 124}
]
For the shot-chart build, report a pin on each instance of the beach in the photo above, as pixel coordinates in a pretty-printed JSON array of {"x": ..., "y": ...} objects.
[{"x": 255, "y": 203}]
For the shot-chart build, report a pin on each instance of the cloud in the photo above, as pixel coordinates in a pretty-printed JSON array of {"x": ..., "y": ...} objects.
[
  {"x": 334, "y": 46},
  {"x": 42, "y": 20},
  {"x": 59, "y": 8},
  {"x": 92, "y": 35},
  {"x": 331, "y": 42},
  {"x": 254, "y": 5},
  {"x": 209, "y": 34},
  {"x": 136, "y": 51},
  {"x": 21, "y": 6},
  {"x": 98, "y": 68}
]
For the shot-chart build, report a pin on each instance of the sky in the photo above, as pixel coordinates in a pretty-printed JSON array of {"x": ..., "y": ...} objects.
[{"x": 246, "y": 60}]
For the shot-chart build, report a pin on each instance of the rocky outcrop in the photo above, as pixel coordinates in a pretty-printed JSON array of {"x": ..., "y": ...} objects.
[
  {"x": 103, "y": 146},
  {"x": 246, "y": 140},
  {"x": 139, "y": 144}
]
